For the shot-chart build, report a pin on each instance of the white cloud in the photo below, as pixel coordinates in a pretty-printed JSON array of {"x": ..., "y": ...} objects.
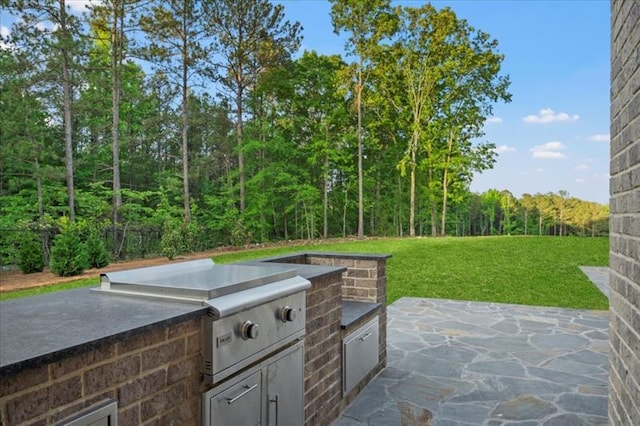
[
  {"x": 547, "y": 115},
  {"x": 4, "y": 33},
  {"x": 81, "y": 5},
  {"x": 579, "y": 180},
  {"x": 548, "y": 155},
  {"x": 550, "y": 146},
  {"x": 504, "y": 148},
  {"x": 600, "y": 137},
  {"x": 491, "y": 120},
  {"x": 582, "y": 167},
  {"x": 550, "y": 150},
  {"x": 46, "y": 26},
  {"x": 540, "y": 170}
]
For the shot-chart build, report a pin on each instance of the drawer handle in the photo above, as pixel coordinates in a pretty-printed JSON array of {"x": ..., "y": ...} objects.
[
  {"x": 365, "y": 337},
  {"x": 247, "y": 390}
]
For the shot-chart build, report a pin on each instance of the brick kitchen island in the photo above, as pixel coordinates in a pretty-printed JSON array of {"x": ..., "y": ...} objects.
[{"x": 61, "y": 353}]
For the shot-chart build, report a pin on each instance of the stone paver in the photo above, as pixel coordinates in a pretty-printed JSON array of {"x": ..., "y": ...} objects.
[
  {"x": 599, "y": 275},
  {"x": 490, "y": 364}
]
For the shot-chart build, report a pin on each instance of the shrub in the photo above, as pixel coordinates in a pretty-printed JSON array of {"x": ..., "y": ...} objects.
[
  {"x": 68, "y": 254},
  {"x": 96, "y": 252},
  {"x": 30, "y": 255},
  {"x": 178, "y": 238},
  {"x": 171, "y": 239}
]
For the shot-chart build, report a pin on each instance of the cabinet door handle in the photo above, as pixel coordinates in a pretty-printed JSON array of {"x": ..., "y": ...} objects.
[
  {"x": 246, "y": 391},
  {"x": 365, "y": 337},
  {"x": 275, "y": 411}
]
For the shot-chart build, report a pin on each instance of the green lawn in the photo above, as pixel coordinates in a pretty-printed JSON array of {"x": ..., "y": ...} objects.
[
  {"x": 523, "y": 270},
  {"x": 84, "y": 282}
]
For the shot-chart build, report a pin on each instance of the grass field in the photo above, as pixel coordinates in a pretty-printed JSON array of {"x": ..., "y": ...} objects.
[{"x": 522, "y": 270}]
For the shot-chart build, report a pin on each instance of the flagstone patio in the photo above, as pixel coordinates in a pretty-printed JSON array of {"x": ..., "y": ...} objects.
[{"x": 472, "y": 363}]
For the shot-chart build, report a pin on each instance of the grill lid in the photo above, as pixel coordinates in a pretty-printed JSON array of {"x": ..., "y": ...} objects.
[{"x": 199, "y": 281}]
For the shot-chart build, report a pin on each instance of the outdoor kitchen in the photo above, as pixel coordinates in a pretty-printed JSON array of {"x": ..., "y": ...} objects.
[{"x": 286, "y": 340}]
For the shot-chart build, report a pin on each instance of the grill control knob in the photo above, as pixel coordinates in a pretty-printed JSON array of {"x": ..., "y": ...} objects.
[
  {"x": 249, "y": 330},
  {"x": 287, "y": 314}
]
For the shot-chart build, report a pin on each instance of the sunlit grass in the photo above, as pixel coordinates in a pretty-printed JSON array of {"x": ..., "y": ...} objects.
[
  {"x": 84, "y": 282},
  {"x": 522, "y": 270}
]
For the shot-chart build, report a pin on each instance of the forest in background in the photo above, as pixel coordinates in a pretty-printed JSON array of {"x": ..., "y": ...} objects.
[{"x": 191, "y": 124}]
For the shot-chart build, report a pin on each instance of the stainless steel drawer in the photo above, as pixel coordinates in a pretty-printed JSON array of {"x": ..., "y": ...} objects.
[
  {"x": 239, "y": 404},
  {"x": 359, "y": 354}
]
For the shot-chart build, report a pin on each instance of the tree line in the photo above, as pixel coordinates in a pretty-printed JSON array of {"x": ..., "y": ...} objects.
[{"x": 196, "y": 117}]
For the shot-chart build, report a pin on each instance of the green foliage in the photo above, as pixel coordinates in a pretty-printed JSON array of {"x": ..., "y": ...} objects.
[
  {"x": 297, "y": 134},
  {"x": 240, "y": 236},
  {"x": 171, "y": 237},
  {"x": 178, "y": 237},
  {"x": 30, "y": 256},
  {"x": 96, "y": 251},
  {"x": 69, "y": 254}
]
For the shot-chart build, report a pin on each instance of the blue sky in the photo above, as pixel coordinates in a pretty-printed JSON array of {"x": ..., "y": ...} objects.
[{"x": 554, "y": 134}]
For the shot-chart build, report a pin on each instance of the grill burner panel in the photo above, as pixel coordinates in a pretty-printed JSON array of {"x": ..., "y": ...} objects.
[{"x": 195, "y": 281}]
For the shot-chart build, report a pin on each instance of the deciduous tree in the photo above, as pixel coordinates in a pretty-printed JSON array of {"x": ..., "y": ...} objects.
[
  {"x": 367, "y": 22},
  {"x": 250, "y": 36}
]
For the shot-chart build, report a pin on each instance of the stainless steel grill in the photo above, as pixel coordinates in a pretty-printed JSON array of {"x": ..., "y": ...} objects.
[{"x": 254, "y": 332}]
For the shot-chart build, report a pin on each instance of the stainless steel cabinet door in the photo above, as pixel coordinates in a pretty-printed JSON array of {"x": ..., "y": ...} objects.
[
  {"x": 239, "y": 404},
  {"x": 285, "y": 388},
  {"x": 359, "y": 354}
]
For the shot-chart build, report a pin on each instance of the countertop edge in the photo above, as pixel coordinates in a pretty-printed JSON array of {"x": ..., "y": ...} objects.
[{"x": 9, "y": 369}]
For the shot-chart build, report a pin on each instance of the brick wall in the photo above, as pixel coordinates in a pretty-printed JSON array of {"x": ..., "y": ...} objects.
[
  {"x": 323, "y": 351},
  {"x": 365, "y": 280},
  {"x": 624, "y": 371},
  {"x": 154, "y": 376}
]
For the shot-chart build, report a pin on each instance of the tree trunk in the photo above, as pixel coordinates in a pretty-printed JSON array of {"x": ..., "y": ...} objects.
[
  {"x": 344, "y": 214},
  {"x": 239, "y": 142},
  {"x": 397, "y": 209},
  {"x": 434, "y": 219},
  {"x": 445, "y": 184},
  {"x": 185, "y": 123},
  {"x": 39, "y": 186},
  {"x": 412, "y": 188},
  {"x": 540, "y": 224},
  {"x": 325, "y": 201},
  {"x": 433, "y": 207},
  {"x": 359, "y": 137},
  {"x": 116, "y": 63},
  {"x": 68, "y": 123}
]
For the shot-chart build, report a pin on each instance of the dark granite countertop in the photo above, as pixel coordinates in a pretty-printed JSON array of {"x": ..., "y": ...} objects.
[
  {"x": 353, "y": 310},
  {"x": 293, "y": 257},
  {"x": 359, "y": 256},
  {"x": 48, "y": 327},
  {"x": 39, "y": 329},
  {"x": 309, "y": 272}
]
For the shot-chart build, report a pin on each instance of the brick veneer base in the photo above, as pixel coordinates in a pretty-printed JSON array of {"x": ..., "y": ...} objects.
[
  {"x": 154, "y": 376},
  {"x": 323, "y": 354}
]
